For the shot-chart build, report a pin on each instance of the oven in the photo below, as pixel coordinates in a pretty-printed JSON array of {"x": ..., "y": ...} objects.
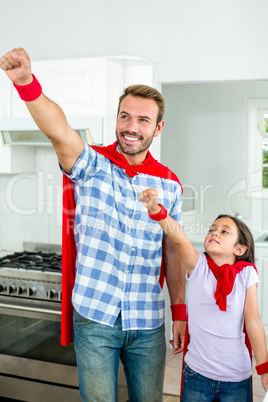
[{"x": 34, "y": 366}]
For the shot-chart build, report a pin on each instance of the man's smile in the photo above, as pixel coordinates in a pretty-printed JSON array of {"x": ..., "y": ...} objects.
[{"x": 131, "y": 138}]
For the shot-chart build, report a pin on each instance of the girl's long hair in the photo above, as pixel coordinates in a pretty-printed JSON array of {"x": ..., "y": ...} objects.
[{"x": 244, "y": 237}]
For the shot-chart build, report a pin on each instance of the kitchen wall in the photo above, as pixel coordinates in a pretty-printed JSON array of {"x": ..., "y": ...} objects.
[
  {"x": 187, "y": 40},
  {"x": 205, "y": 143}
]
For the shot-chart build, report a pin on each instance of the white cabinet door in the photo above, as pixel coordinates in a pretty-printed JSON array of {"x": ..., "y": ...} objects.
[
  {"x": 5, "y": 94},
  {"x": 264, "y": 293},
  {"x": 75, "y": 84},
  {"x": 10, "y": 158},
  {"x": 262, "y": 266}
]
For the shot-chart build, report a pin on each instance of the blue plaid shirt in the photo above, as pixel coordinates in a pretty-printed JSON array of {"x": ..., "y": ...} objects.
[{"x": 119, "y": 248}]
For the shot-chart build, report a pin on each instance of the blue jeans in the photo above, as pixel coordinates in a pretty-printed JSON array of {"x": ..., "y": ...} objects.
[
  {"x": 202, "y": 389},
  {"x": 98, "y": 348}
]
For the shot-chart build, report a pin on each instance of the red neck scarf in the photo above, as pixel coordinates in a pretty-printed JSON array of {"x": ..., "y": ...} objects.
[
  {"x": 151, "y": 167},
  {"x": 226, "y": 275}
]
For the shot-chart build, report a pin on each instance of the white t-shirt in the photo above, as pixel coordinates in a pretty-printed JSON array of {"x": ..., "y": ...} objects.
[{"x": 217, "y": 347}]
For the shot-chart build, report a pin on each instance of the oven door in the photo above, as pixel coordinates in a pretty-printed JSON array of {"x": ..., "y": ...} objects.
[{"x": 34, "y": 366}]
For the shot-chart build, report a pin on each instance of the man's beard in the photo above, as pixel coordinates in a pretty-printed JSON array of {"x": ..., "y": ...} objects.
[{"x": 144, "y": 144}]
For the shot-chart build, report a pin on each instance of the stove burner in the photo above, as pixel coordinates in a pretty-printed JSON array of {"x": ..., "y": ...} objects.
[{"x": 38, "y": 261}]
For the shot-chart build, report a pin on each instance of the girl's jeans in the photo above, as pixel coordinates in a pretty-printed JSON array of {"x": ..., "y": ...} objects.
[
  {"x": 202, "y": 389},
  {"x": 98, "y": 349}
]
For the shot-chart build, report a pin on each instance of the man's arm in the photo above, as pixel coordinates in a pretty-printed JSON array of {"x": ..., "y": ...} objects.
[
  {"x": 48, "y": 116},
  {"x": 175, "y": 277}
]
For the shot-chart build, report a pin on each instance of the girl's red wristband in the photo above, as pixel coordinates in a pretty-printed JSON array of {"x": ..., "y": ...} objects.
[
  {"x": 29, "y": 92},
  {"x": 161, "y": 215},
  {"x": 262, "y": 368},
  {"x": 178, "y": 312}
]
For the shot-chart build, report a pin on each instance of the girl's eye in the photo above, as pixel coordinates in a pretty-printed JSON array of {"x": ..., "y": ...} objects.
[
  {"x": 211, "y": 231},
  {"x": 225, "y": 231}
]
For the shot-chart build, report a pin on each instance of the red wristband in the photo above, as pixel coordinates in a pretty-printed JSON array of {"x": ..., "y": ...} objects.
[
  {"x": 29, "y": 92},
  {"x": 178, "y": 312},
  {"x": 262, "y": 368},
  {"x": 161, "y": 215}
]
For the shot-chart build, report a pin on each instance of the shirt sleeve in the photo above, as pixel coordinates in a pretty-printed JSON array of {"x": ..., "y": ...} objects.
[
  {"x": 200, "y": 265},
  {"x": 250, "y": 276},
  {"x": 89, "y": 163},
  {"x": 176, "y": 209}
]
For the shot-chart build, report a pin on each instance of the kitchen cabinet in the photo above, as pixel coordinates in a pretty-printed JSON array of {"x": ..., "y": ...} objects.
[
  {"x": 10, "y": 157},
  {"x": 262, "y": 266},
  {"x": 74, "y": 84},
  {"x": 5, "y": 95}
]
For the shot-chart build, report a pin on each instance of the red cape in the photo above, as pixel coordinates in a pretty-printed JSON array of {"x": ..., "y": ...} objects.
[{"x": 151, "y": 167}]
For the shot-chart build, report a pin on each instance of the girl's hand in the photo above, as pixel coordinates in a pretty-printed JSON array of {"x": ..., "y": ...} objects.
[{"x": 149, "y": 199}]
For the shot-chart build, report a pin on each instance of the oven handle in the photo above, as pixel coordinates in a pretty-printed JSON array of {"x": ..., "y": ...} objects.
[{"x": 33, "y": 309}]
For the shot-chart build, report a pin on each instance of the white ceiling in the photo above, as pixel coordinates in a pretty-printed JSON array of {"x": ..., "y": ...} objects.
[{"x": 188, "y": 40}]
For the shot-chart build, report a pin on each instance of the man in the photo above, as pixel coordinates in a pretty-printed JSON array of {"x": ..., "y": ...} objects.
[{"x": 118, "y": 302}]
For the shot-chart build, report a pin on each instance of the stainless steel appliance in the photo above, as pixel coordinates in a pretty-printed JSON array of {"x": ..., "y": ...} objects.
[{"x": 33, "y": 364}]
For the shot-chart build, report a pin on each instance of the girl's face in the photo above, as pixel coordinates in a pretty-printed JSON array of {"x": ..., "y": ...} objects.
[{"x": 221, "y": 242}]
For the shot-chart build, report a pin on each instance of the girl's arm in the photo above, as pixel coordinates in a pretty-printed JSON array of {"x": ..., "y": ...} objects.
[
  {"x": 173, "y": 229},
  {"x": 255, "y": 330}
]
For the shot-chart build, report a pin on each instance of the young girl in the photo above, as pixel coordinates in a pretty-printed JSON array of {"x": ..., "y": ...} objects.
[{"x": 222, "y": 296}]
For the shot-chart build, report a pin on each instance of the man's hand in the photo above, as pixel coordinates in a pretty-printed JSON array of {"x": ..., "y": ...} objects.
[
  {"x": 149, "y": 199},
  {"x": 17, "y": 66},
  {"x": 178, "y": 330},
  {"x": 264, "y": 381}
]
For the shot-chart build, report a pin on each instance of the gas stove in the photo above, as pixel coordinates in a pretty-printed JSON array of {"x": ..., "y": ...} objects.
[
  {"x": 33, "y": 364},
  {"x": 34, "y": 273}
]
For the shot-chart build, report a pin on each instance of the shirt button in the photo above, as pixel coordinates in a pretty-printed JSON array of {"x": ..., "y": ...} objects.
[
  {"x": 133, "y": 249},
  {"x": 127, "y": 272}
]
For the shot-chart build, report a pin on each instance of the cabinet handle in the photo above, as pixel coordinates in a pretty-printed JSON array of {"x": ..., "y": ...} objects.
[{"x": 33, "y": 309}]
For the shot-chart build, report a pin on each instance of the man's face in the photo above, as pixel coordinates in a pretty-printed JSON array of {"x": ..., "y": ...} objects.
[{"x": 136, "y": 124}]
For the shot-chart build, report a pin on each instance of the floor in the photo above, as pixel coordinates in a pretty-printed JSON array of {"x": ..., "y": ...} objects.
[{"x": 172, "y": 381}]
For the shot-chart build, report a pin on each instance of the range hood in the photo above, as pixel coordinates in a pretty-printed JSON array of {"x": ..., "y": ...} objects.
[{"x": 24, "y": 131}]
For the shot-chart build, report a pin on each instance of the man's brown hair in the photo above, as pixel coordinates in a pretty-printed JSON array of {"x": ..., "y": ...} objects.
[{"x": 144, "y": 91}]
